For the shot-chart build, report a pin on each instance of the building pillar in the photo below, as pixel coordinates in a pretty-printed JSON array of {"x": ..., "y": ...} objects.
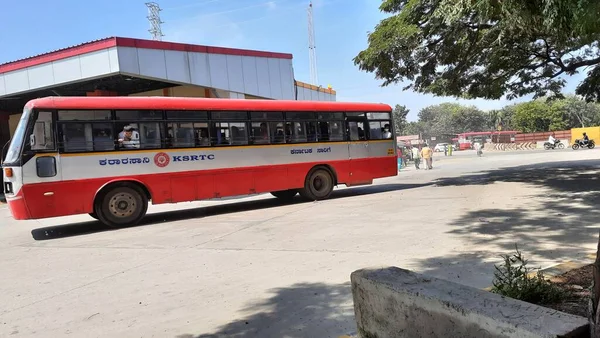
[{"x": 99, "y": 92}]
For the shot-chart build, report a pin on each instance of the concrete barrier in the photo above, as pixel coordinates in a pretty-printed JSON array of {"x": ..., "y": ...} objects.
[{"x": 393, "y": 302}]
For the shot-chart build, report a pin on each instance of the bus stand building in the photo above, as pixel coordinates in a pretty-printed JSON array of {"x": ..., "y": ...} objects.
[{"x": 118, "y": 66}]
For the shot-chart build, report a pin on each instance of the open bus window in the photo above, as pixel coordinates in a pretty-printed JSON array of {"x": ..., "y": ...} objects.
[
  {"x": 42, "y": 136},
  {"x": 380, "y": 130}
]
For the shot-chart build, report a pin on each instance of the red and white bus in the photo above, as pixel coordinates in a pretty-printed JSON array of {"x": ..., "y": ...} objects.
[{"x": 109, "y": 156}]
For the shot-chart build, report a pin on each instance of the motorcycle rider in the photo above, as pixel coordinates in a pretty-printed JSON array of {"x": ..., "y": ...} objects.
[
  {"x": 586, "y": 139},
  {"x": 552, "y": 140}
]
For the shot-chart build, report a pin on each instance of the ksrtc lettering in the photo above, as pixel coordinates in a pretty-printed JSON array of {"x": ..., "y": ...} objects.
[{"x": 192, "y": 158}]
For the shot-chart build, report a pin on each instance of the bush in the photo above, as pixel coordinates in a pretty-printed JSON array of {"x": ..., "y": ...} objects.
[{"x": 515, "y": 280}]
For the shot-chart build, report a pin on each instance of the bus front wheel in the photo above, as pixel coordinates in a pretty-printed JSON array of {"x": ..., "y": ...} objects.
[
  {"x": 285, "y": 195},
  {"x": 318, "y": 185},
  {"x": 122, "y": 206}
]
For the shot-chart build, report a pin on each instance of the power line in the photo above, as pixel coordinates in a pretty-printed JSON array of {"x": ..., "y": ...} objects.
[{"x": 155, "y": 22}]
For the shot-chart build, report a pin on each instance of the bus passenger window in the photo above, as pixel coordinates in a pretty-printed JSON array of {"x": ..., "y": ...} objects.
[
  {"x": 220, "y": 133},
  {"x": 102, "y": 137},
  {"x": 323, "y": 131},
  {"x": 76, "y": 137},
  {"x": 181, "y": 135},
  {"x": 375, "y": 131},
  {"x": 277, "y": 132},
  {"x": 129, "y": 137},
  {"x": 259, "y": 133},
  {"x": 336, "y": 132},
  {"x": 356, "y": 131},
  {"x": 150, "y": 135},
  {"x": 295, "y": 132},
  {"x": 311, "y": 131},
  {"x": 239, "y": 134},
  {"x": 380, "y": 130}
]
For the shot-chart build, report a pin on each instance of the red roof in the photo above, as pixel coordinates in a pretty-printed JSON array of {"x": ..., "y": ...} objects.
[
  {"x": 105, "y": 43},
  {"x": 186, "y": 103}
]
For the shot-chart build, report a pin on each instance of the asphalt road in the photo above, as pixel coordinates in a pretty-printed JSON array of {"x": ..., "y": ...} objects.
[{"x": 254, "y": 267}]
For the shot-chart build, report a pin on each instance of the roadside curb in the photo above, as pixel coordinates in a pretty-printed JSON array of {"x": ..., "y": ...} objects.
[{"x": 559, "y": 269}]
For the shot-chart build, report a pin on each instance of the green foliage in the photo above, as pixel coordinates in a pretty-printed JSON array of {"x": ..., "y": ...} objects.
[
  {"x": 515, "y": 280},
  {"x": 399, "y": 113},
  {"x": 538, "y": 116},
  {"x": 451, "y": 118},
  {"x": 486, "y": 48}
]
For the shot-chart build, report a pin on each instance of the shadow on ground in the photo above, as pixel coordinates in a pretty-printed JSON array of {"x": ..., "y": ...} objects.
[
  {"x": 302, "y": 310},
  {"x": 563, "y": 227},
  {"x": 83, "y": 228}
]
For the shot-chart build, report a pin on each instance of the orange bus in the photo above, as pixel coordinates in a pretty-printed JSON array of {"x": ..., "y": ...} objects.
[{"x": 109, "y": 156}]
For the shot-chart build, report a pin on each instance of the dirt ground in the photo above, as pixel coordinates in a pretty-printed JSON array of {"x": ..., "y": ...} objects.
[{"x": 577, "y": 284}]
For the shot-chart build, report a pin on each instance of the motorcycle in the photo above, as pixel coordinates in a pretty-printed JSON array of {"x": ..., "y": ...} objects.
[
  {"x": 580, "y": 144},
  {"x": 550, "y": 145}
]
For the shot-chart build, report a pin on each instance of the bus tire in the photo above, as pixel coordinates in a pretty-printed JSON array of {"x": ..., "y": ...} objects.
[
  {"x": 121, "y": 206},
  {"x": 285, "y": 195},
  {"x": 318, "y": 185}
]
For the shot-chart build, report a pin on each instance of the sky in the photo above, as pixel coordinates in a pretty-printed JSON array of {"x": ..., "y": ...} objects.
[{"x": 341, "y": 27}]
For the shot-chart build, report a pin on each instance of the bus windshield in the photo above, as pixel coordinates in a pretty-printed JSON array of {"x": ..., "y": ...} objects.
[{"x": 16, "y": 144}]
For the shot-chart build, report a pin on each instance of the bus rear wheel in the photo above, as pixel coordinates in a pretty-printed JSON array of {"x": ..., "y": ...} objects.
[
  {"x": 122, "y": 206},
  {"x": 285, "y": 195},
  {"x": 318, "y": 185}
]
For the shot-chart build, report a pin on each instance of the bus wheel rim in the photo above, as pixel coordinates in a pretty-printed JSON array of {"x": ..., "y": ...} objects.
[
  {"x": 319, "y": 184},
  {"x": 122, "y": 205}
]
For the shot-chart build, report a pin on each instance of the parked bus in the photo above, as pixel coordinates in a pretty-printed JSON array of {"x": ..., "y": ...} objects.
[
  {"x": 466, "y": 140},
  {"x": 110, "y": 156}
]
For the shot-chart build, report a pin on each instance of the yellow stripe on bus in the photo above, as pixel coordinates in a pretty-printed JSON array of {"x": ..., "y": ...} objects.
[{"x": 169, "y": 150}]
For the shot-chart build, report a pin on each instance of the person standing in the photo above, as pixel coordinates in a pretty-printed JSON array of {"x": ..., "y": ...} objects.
[
  {"x": 416, "y": 156},
  {"x": 427, "y": 155},
  {"x": 399, "y": 153}
]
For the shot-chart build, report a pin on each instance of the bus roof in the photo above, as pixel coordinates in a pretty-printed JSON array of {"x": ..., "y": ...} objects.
[{"x": 186, "y": 103}]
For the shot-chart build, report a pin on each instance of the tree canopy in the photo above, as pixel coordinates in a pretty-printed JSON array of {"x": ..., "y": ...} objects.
[
  {"x": 534, "y": 116},
  {"x": 486, "y": 48}
]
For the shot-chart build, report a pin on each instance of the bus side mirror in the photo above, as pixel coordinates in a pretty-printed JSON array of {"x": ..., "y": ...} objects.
[{"x": 46, "y": 166}]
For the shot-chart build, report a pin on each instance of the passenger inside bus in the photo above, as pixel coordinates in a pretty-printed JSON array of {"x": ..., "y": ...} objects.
[{"x": 129, "y": 138}]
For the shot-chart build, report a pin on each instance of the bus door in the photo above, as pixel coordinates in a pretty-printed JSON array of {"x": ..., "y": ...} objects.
[
  {"x": 358, "y": 150},
  {"x": 43, "y": 165}
]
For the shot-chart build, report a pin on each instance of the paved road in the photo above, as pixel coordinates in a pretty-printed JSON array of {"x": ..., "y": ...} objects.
[{"x": 257, "y": 268}]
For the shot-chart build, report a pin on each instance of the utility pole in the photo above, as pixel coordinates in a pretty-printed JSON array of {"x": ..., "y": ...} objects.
[
  {"x": 154, "y": 19},
  {"x": 312, "y": 53}
]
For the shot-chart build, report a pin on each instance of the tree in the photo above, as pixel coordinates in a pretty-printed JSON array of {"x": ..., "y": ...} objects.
[
  {"x": 578, "y": 112},
  {"x": 538, "y": 116},
  {"x": 486, "y": 48},
  {"x": 399, "y": 113}
]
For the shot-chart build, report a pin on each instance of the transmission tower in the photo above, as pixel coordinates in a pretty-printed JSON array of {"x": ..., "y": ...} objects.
[
  {"x": 154, "y": 19},
  {"x": 312, "y": 53}
]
